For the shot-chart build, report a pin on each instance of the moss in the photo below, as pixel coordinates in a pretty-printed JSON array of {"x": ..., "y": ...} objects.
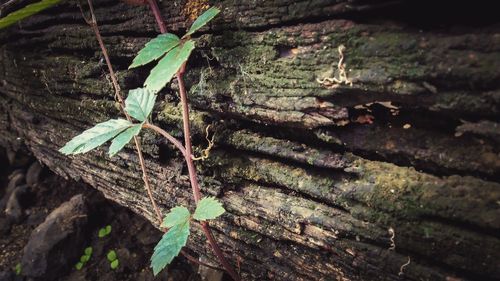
[
  {"x": 172, "y": 115},
  {"x": 311, "y": 206},
  {"x": 260, "y": 170},
  {"x": 407, "y": 193},
  {"x": 249, "y": 236},
  {"x": 393, "y": 188}
]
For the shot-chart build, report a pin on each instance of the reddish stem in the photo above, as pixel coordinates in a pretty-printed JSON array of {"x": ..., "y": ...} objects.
[
  {"x": 187, "y": 137},
  {"x": 93, "y": 24},
  {"x": 156, "y": 12},
  {"x": 188, "y": 153},
  {"x": 194, "y": 179}
]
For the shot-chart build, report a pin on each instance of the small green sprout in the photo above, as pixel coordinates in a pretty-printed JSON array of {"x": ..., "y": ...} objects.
[
  {"x": 79, "y": 266},
  {"x": 88, "y": 251},
  {"x": 105, "y": 231},
  {"x": 113, "y": 260},
  {"x": 111, "y": 256},
  {"x": 84, "y": 259}
]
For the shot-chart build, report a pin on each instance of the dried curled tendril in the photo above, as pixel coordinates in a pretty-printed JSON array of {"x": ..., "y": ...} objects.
[
  {"x": 393, "y": 234},
  {"x": 333, "y": 81},
  {"x": 403, "y": 267},
  {"x": 206, "y": 152}
]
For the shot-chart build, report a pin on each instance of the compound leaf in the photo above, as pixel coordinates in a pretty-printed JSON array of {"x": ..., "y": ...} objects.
[
  {"x": 26, "y": 12},
  {"x": 123, "y": 138},
  {"x": 177, "y": 215},
  {"x": 202, "y": 20},
  {"x": 208, "y": 208},
  {"x": 95, "y": 136},
  {"x": 140, "y": 103},
  {"x": 163, "y": 72},
  {"x": 155, "y": 48},
  {"x": 169, "y": 246}
]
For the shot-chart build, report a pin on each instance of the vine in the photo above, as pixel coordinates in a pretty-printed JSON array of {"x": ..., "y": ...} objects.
[{"x": 173, "y": 53}]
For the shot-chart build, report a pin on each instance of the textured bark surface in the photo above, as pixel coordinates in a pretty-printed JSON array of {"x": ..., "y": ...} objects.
[{"x": 313, "y": 175}]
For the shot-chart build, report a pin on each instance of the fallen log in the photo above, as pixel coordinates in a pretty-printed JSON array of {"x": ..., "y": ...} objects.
[{"x": 321, "y": 180}]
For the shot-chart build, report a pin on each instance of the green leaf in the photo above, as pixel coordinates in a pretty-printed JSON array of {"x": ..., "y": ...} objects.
[
  {"x": 169, "y": 246},
  {"x": 208, "y": 208},
  {"x": 79, "y": 266},
  {"x": 26, "y": 12},
  {"x": 123, "y": 138},
  {"x": 84, "y": 259},
  {"x": 95, "y": 136},
  {"x": 202, "y": 20},
  {"x": 107, "y": 229},
  {"x": 88, "y": 251},
  {"x": 163, "y": 72},
  {"x": 155, "y": 48},
  {"x": 111, "y": 255},
  {"x": 140, "y": 103},
  {"x": 177, "y": 215},
  {"x": 114, "y": 264}
]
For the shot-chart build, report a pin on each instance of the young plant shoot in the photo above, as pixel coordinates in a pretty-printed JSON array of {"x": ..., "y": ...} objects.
[{"x": 172, "y": 52}]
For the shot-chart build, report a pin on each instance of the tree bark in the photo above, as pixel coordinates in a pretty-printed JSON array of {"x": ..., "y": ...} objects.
[{"x": 395, "y": 177}]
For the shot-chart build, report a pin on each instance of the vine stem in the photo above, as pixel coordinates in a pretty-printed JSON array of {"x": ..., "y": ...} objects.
[
  {"x": 193, "y": 177},
  {"x": 156, "y": 12},
  {"x": 204, "y": 225},
  {"x": 188, "y": 154},
  {"x": 92, "y": 22}
]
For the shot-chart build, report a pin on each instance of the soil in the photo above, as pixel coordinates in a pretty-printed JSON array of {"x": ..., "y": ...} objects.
[{"x": 132, "y": 237}]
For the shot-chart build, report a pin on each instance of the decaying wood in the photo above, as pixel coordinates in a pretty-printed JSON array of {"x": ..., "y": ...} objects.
[{"x": 321, "y": 182}]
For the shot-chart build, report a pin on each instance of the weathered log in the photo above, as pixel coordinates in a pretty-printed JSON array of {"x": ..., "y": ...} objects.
[{"x": 394, "y": 177}]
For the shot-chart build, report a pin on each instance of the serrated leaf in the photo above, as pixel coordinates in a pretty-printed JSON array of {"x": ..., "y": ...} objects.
[
  {"x": 155, "y": 48},
  {"x": 95, "y": 136},
  {"x": 26, "y": 12},
  {"x": 140, "y": 103},
  {"x": 202, "y": 20},
  {"x": 169, "y": 246},
  {"x": 123, "y": 138},
  {"x": 177, "y": 215},
  {"x": 163, "y": 72},
  {"x": 208, "y": 208}
]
